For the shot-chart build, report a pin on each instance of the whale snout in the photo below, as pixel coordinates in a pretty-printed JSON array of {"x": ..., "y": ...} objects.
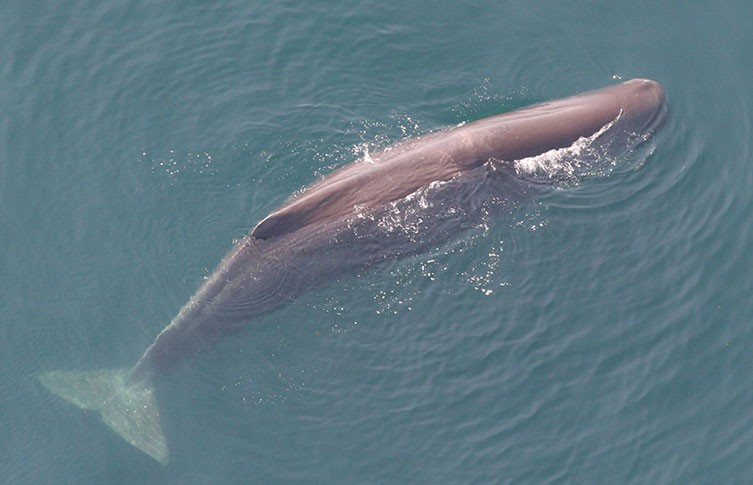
[{"x": 645, "y": 103}]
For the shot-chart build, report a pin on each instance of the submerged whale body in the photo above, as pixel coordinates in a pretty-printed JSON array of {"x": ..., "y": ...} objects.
[{"x": 340, "y": 225}]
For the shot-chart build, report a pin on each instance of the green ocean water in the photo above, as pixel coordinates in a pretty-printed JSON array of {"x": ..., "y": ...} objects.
[{"x": 599, "y": 332}]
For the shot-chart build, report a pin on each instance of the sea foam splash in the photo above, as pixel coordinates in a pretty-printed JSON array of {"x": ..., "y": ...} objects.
[{"x": 598, "y": 155}]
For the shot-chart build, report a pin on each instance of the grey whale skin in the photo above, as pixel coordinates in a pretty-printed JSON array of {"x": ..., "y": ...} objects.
[{"x": 330, "y": 229}]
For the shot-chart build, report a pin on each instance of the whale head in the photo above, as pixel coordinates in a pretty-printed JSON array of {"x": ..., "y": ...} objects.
[{"x": 643, "y": 104}]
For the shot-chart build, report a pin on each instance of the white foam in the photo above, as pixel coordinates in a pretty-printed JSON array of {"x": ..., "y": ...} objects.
[{"x": 586, "y": 156}]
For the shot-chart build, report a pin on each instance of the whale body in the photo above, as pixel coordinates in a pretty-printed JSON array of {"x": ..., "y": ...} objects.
[{"x": 337, "y": 226}]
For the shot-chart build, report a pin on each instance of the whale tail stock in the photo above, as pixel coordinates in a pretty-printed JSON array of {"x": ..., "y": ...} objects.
[{"x": 128, "y": 409}]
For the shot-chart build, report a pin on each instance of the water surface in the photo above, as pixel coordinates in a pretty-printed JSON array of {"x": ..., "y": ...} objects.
[{"x": 597, "y": 333}]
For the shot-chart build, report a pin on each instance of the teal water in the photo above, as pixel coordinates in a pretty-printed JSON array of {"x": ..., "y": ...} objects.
[{"x": 598, "y": 333}]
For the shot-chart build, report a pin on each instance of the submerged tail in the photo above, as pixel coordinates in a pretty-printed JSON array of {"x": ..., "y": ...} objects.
[{"x": 130, "y": 410}]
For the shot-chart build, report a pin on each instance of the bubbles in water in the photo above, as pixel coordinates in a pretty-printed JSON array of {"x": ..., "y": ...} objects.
[{"x": 173, "y": 163}]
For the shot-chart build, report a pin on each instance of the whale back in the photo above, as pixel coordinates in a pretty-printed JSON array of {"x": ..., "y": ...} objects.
[{"x": 405, "y": 167}]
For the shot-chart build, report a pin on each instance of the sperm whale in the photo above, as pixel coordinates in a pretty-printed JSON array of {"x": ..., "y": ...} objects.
[{"x": 330, "y": 229}]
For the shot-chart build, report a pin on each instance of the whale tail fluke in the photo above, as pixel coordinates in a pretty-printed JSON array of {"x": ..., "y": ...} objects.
[{"x": 130, "y": 410}]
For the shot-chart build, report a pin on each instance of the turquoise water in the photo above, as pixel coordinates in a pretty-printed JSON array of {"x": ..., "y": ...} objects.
[{"x": 598, "y": 333}]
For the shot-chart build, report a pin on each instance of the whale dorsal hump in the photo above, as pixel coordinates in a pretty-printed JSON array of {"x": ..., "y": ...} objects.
[{"x": 274, "y": 225}]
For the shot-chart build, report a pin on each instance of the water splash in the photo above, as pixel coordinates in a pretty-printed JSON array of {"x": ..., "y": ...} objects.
[{"x": 608, "y": 150}]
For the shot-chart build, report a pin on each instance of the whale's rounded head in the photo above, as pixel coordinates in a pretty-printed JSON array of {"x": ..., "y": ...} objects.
[{"x": 644, "y": 104}]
